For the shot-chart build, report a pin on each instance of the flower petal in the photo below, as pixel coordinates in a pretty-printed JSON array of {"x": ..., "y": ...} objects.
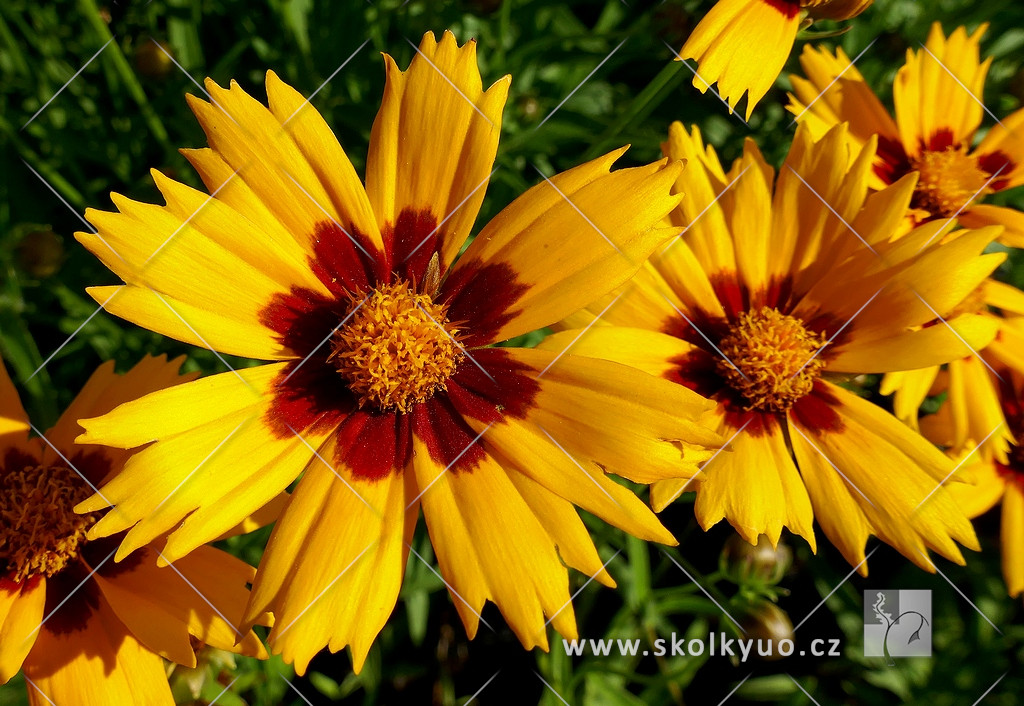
[
  {"x": 98, "y": 663},
  {"x": 200, "y": 596},
  {"x": 334, "y": 564},
  {"x": 560, "y": 246},
  {"x": 433, "y": 144},
  {"x": 21, "y": 612}
]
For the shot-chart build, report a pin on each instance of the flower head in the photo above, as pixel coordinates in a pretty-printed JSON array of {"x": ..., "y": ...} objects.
[
  {"x": 778, "y": 290},
  {"x": 938, "y": 111},
  {"x": 742, "y": 45},
  {"x": 82, "y": 628},
  {"x": 386, "y": 393}
]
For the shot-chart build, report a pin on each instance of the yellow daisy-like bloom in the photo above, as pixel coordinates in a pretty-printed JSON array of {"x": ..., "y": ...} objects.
[
  {"x": 937, "y": 96},
  {"x": 742, "y": 45},
  {"x": 768, "y": 299},
  {"x": 83, "y": 629},
  {"x": 997, "y": 476},
  {"x": 972, "y": 413},
  {"x": 386, "y": 394}
]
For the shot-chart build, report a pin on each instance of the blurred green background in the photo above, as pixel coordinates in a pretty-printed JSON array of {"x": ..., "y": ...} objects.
[{"x": 126, "y": 113}]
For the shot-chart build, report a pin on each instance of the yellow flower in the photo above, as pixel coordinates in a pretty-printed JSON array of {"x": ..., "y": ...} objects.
[
  {"x": 972, "y": 413},
  {"x": 386, "y": 393},
  {"x": 938, "y": 110},
  {"x": 83, "y": 629},
  {"x": 766, "y": 302},
  {"x": 742, "y": 45},
  {"x": 997, "y": 476}
]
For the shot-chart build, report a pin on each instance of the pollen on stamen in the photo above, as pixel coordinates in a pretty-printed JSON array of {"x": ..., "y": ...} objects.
[
  {"x": 949, "y": 180},
  {"x": 770, "y": 359},
  {"x": 41, "y": 534},
  {"x": 398, "y": 348}
]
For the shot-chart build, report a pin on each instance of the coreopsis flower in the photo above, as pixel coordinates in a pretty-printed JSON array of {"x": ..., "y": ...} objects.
[
  {"x": 83, "y": 629},
  {"x": 742, "y": 45},
  {"x": 385, "y": 392},
  {"x": 937, "y": 99},
  {"x": 997, "y": 478},
  {"x": 779, "y": 289},
  {"x": 972, "y": 412}
]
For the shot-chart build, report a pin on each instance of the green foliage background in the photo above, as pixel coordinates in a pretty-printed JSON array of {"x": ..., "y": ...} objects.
[{"x": 121, "y": 117}]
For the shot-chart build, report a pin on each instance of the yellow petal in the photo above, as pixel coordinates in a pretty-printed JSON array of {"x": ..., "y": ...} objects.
[
  {"x": 433, "y": 143},
  {"x": 21, "y": 612},
  {"x": 490, "y": 545},
  {"x": 14, "y": 424},
  {"x": 1012, "y": 539},
  {"x": 742, "y": 45},
  {"x": 200, "y": 596}
]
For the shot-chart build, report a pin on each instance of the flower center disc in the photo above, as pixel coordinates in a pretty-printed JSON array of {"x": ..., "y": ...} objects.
[
  {"x": 949, "y": 180},
  {"x": 41, "y": 533},
  {"x": 770, "y": 359},
  {"x": 397, "y": 348}
]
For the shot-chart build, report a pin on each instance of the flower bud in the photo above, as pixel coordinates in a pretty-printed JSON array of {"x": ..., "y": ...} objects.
[
  {"x": 40, "y": 253},
  {"x": 771, "y": 630},
  {"x": 152, "y": 60},
  {"x": 743, "y": 562}
]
